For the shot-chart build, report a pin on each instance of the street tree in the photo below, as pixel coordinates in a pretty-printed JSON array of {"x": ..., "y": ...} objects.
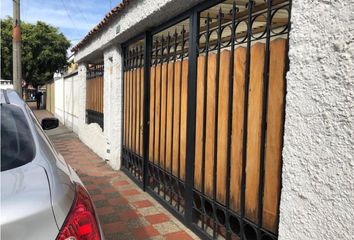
[{"x": 44, "y": 51}]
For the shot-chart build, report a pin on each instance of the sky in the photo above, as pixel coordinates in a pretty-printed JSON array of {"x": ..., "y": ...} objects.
[{"x": 74, "y": 18}]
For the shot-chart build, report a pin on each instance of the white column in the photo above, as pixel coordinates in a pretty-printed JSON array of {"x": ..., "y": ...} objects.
[
  {"x": 113, "y": 104},
  {"x": 82, "y": 95}
]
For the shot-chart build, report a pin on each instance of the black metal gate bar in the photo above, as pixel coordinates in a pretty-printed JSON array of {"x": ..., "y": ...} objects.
[
  {"x": 216, "y": 116},
  {"x": 207, "y": 37},
  {"x": 166, "y": 107},
  {"x": 146, "y": 108},
  {"x": 191, "y": 114},
  {"x": 229, "y": 121},
  {"x": 245, "y": 116},
  {"x": 132, "y": 158},
  {"x": 180, "y": 103},
  {"x": 174, "y": 58},
  {"x": 264, "y": 116},
  {"x": 154, "y": 63},
  {"x": 160, "y": 112}
]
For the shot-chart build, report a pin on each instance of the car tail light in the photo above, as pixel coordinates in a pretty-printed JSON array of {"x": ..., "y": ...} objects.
[{"x": 81, "y": 223}]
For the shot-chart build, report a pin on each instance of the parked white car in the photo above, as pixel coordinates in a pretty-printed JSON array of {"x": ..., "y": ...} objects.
[{"x": 41, "y": 196}]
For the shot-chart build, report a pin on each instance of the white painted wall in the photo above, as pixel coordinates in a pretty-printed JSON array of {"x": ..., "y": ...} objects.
[
  {"x": 90, "y": 134},
  {"x": 71, "y": 96},
  {"x": 107, "y": 143},
  {"x": 59, "y": 98},
  {"x": 317, "y": 200},
  {"x": 67, "y": 100},
  {"x": 112, "y": 104}
]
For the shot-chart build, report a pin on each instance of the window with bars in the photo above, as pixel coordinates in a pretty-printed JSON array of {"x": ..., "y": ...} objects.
[{"x": 94, "y": 94}]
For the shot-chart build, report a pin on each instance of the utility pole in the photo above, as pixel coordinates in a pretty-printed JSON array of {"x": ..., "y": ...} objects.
[{"x": 16, "y": 48}]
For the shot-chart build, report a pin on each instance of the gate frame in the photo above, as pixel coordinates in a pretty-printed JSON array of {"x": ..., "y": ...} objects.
[{"x": 193, "y": 15}]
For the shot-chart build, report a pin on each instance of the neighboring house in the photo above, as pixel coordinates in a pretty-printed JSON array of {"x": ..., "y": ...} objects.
[{"x": 238, "y": 122}]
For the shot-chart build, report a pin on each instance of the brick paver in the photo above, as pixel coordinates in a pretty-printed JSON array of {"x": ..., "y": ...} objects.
[{"x": 124, "y": 210}]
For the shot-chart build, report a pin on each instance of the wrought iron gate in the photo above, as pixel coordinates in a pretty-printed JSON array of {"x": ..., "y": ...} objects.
[{"x": 204, "y": 98}]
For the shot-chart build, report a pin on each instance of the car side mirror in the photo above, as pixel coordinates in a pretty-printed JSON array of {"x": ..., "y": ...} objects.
[{"x": 49, "y": 123}]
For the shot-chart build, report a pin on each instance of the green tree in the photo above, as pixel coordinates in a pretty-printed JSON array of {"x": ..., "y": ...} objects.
[{"x": 43, "y": 51}]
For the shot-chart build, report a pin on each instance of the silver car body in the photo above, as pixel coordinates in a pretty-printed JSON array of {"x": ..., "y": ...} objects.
[{"x": 36, "y": 197}]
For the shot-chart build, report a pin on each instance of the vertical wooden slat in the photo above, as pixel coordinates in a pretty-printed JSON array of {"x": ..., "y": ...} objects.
[
  {"x": 199, "y": 124},
  {"x": 94, "y": 94},
  {"x": 99, "y": 83},
  {"x": 237, "y": 128},
  {"x": 222, "y": 125},
  {"x": 128, "y": 106},
  {"x": 184, "y": 101},
  {"x": 274, "y": 137},
  {"x": 88, "y": 93},
  {"x": 169, "y": 117},
  {"x": 176, "y": 122},
  {"x": 157, "y": 111},
  {"x": 210, "y": 126},
  {"x": 163, "y": 119},
  {"x": 132, "y": 109},
  {"x": 142, "y": 106},
  {"x": 130, "y": 73},
  {"x": 135, "y": 111},
  {"x": 87, "y": 88},
  {"x": 152, "y": 113},
  {"x": 95, "y": 90},
  {"x": 254, "y": 130},
  {"x": 124, "y": 108},
  {"x": 94, "y": 102},
  {"x": 137, "y": 122},
  {"x": 101, "y": 94}
]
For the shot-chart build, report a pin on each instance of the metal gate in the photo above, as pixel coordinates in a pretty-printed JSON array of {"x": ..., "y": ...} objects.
[{"x": 204, "y": 98}]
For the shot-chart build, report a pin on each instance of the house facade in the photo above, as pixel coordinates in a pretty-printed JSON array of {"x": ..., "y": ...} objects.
[{"x": 236, "y": 115}]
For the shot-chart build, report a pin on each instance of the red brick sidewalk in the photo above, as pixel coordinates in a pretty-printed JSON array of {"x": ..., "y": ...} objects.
[{"x": 125, "y": 211}]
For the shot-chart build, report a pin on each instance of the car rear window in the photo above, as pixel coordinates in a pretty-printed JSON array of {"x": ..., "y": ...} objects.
[{"x": 17, "y": 147}]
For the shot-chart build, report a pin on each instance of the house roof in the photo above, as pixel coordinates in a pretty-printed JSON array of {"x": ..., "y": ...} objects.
[{"x": 102, "y": 24}]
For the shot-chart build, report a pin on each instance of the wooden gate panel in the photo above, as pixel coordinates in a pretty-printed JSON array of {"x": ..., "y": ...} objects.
[
  {"x": 152, "y": 114},
  {"x": 157, "y": 115},
  {"x": 168, "y": 133},
  {"x": 183, "y": 131},
  {"x": 222, "y": 126},
  {"x": 199, "y": 136},
  {"x": 238, "y": 70},
  {"x": 162, "y": 122},
  {"x": 254, "y": 129},
  {"x": 274, "y": 139},
  {"x": 210, "y": 126},
  {"x": 237, "y": 128},
  {"x": 176, "y": 121}
]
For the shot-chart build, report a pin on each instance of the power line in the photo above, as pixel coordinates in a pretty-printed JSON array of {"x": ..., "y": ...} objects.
[
  {"x": 81, "y": 12},
  {"x": 69, "y": 16}
]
